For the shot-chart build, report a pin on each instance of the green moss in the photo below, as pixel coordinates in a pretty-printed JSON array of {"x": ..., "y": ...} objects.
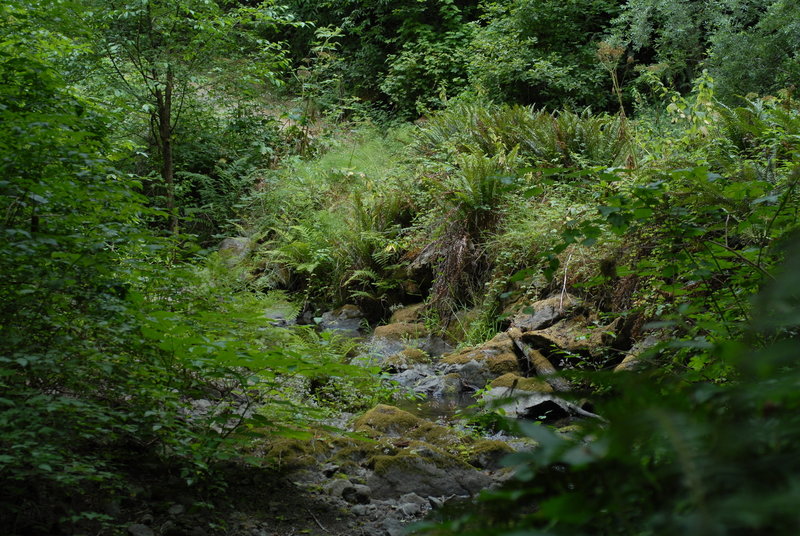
[
  {"x": 411, "y": 313},
  {"x": 401, "y": 330},
  {"x": 503, "y": 363},
  {"x": 487, "y": 453},
  {"x": 461, "y": 358},
  {"x": 293, "y": 453},
  {"x": 385, "y": 420},
  {"x": 499, "y": 352},
  {"x": 407, "y": 459},
  {"x": 573, "y": 430},
  {"x": 408, "y": 357},
  {"x": 523, "y": 384},
  {"x": 415, "y": 355}
]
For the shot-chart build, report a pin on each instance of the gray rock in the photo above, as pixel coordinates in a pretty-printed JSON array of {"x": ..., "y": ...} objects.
[
  {"x": 339, "y": 487},
  {"x": 363, "y": 509},
  {"x": 410, "y": 509},
  {"x": 424, "y": 477},
  {"x": 545, "y": 313},
  {"x": 137, "y": 529},
  {"x": 414, "y": 376},
  {"x": 413, "y": 498},
  {"x": 376, "y": 350},
  {"x": 176, "y": 510},
  {"x": 281, "y": 317},
  {"x": 358, "y": 494},
  {"x": 170, "y": 528},
  {"x": 201, "y": 405},
  {"x": 394, "y": 527},
  {"x": 533, "y": 405},
  {"x": 436, "y": 502},
  {"x": 440, "y": 386},
  {"x": 330, "y": 469},
  {"x": 345, "y": 320},
  {"x": 235, "y": 249},
  {"x": 435, "y": 346},
  {"x": 472, "y": 373}
]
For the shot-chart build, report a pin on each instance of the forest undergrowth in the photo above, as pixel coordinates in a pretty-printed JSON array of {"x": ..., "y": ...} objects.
[{"x": 136, "y": 135}]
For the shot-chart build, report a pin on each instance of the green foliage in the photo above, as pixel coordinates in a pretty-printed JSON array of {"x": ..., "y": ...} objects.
[
  {"x": 409, "y": 53},
  {"x": 685, "y": 37},
  {"x": 117, "y": 357},
  {"x": 111, "y": 361},
  {"x": 689, "y": 438},
  {"x": 334, "y": 223},
  {"x": 771, "y": 62},
  {"x": 64, "y": 322},
  {"x": 426, "y": 72},
  {"x": 675, "y": 457},
  {"x": 155, "y": 59},
  {"x": 542, "y": 53},
  {"x": 541, "y": 138}
]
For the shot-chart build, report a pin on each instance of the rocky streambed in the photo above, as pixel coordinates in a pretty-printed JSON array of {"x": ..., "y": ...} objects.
[{"x": 409, "y": 457}]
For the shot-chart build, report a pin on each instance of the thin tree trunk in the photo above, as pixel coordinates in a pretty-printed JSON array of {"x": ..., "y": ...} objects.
[{"x": 165, "y": 140}]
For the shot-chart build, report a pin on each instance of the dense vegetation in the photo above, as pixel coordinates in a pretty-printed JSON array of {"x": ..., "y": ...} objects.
[{"x": 640, "y": 154}]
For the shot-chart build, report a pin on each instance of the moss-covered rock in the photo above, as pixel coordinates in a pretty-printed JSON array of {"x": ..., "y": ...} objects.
[
  {"x": 290, "y": 453},
  {"x": 426, "y": 470},
  {"x": 415, "y": 450},
  {"x": 384, "y": 420},
  {"x": 576, "y": 335},
  {"x": 487, "y": 453},
  {"x": 543, "y": 313},
  {"x": 481, "y": 364},
  {"x": 410, "y": 314},
  {"x": 401, "y": 330},
  {"x": 521, "y": 383},
  {"x": 405, "y": 359}
]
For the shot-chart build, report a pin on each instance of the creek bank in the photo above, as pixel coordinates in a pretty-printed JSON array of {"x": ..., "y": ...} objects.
[{"x": 401, "y": 460}]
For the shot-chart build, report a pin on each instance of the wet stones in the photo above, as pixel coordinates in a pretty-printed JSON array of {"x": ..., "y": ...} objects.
[
  {"x": 346, "y": 320},
  {"x": 479, "y": 365}
]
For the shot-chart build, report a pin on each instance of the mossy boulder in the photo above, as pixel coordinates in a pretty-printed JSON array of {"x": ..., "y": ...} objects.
[
  {"x": 426, "y": 470},
  {"x": 346, "y": 320},
  {"x": 488, "y": 453},
  {"x": 290, "y": 453},
  {"x": 401, "y": 331},
  {"x": 481, "y": 364},
  {"x": 519, "y": 383},
  {"x": 390, "y": 421},
  {"x": 405, "y": 359},
  {"x": 410, "y": 314},
  {"x": 577, "y": 335},
  {"x": 543, "y": 313}
]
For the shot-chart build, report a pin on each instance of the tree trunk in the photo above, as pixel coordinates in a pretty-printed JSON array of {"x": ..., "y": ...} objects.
[{"x": 165, "y": 141}]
